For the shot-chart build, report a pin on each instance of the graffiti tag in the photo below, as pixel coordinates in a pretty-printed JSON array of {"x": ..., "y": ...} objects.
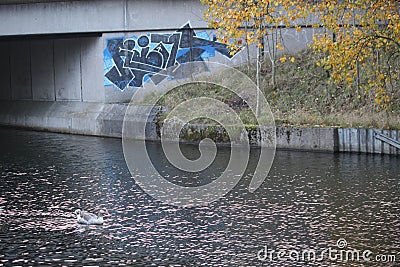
[{"x": 132, "y": 61}]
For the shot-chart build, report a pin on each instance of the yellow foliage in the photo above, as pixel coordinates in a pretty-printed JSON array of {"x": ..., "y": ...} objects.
[
  {"x": 279, "y": 46},
  {"x": 360, "y": 35},
  {"x": 360, "y": 47},
  {"x": 258, "y": 18}
]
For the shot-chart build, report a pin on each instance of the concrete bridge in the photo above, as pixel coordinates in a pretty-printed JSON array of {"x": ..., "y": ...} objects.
[
  {"x": 71, "y": 66},
  {"x": 53, "y": 50},
  {"x": 61, "y": 64}
]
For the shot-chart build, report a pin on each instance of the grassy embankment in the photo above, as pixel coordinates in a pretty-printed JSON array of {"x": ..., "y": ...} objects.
[{"x": 302, "y": 96}]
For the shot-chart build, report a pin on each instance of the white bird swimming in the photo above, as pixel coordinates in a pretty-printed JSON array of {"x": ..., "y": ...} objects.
[{"x": 91, "y": 218}]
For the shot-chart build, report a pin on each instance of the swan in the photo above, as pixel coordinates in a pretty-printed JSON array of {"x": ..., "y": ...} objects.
[{"x": 90, "y": 218}]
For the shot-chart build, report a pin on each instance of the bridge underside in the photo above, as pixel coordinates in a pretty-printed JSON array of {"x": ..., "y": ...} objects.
[
  {"x": 52, "y": 83},
  {"x": 52, "y": 69}
]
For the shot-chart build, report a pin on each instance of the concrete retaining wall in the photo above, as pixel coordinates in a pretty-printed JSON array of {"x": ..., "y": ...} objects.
[
  {"x": 313, "y": 139},
  {"x": 299, "y": 138},
  {"x": 318, "y": 139},
  {"x": 105, "y": 119},
  {"x": 101, "y": 119},
  {"x": 64, "y": 117}
]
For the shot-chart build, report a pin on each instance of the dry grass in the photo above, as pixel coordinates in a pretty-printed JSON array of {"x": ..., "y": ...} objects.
[{"x": 302, "y": 96}]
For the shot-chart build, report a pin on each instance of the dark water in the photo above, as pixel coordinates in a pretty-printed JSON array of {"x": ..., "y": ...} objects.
[{"x": 308, "y": 201}]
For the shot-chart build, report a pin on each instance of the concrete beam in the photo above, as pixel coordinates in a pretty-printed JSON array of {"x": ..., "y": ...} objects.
[
  {"x": 38, "y": 17},
  {"x": 96, "y": 16},
  {"x": 163, "y": 14}
]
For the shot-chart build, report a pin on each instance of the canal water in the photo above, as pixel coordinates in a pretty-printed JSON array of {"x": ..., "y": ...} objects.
[{"x": 309, "y": 202}]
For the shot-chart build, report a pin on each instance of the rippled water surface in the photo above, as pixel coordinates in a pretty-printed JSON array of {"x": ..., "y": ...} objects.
[{"x": 308, "y": 201}]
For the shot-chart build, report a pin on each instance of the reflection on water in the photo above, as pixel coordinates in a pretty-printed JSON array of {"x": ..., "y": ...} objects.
[{"x": 309, "y": 200}]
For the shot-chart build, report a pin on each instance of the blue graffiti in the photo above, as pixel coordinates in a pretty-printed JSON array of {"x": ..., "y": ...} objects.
[{"x": 132, "y": 61}]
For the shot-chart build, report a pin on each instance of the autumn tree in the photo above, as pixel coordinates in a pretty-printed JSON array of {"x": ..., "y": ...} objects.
[
  {"x": 240, "y": 23},
  {"x": 361, "y": 47}
]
